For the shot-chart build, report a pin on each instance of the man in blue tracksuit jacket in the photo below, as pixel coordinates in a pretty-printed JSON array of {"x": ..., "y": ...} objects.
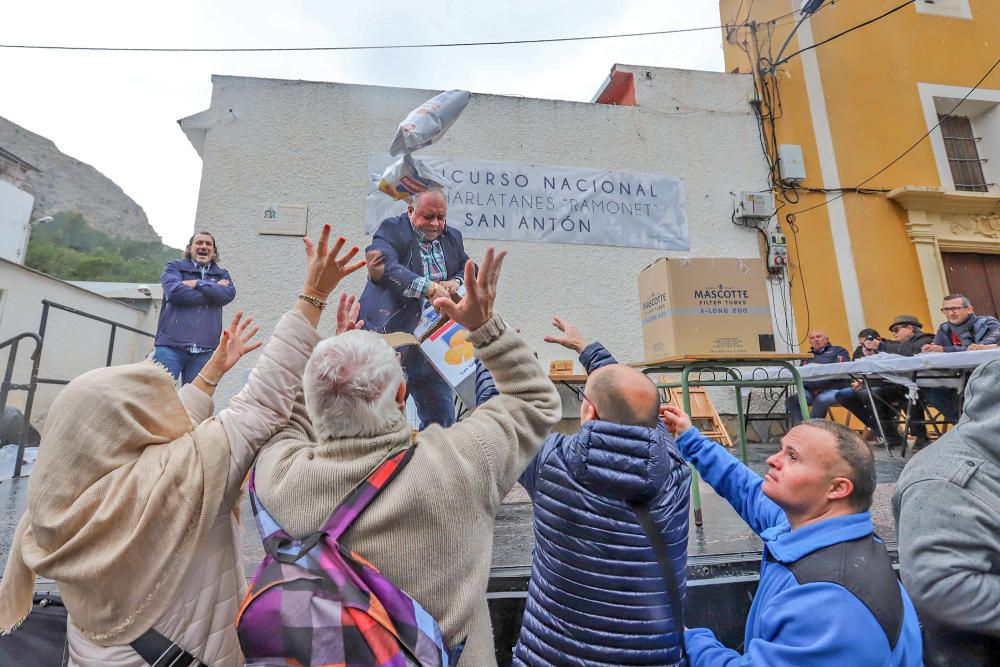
[{"x": 828, "y": 594}]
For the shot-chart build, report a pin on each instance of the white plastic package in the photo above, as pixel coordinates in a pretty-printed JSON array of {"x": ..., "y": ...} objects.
[
  {"x": 428, "y": 122},
  {"x": 409, "y": 176}
]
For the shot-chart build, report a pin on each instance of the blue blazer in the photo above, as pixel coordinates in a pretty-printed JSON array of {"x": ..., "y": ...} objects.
[{"x": 384, "y": 308}]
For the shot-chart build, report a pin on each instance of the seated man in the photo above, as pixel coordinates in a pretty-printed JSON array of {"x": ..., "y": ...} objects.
[
  {"x": 947, "y": 507},
  {"x": 869, "y": 343},
  {"x": 855, "y": 397},
  {"x": 593, "y": 565},
  {"x": 827, "y": 594},
  {"x": 820, "y": 394},
  {"x": 430, "y": 531},
  {"x": 911, "y": 339},
  {"x": 964, "y": 330}
]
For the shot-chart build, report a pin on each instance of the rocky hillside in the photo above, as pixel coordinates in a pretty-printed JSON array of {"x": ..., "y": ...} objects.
[{"x": 66, "y": 184}]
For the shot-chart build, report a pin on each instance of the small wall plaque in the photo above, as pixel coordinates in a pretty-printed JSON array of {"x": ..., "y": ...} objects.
[{"x": 282, "y": 220}]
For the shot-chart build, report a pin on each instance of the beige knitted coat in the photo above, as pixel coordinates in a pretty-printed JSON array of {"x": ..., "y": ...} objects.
[
  {"x": 200, "y": 610},
  {"x": 431, "y": 530}
]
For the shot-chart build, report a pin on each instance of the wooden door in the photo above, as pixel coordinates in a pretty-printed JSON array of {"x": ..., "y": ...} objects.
[{"x": 975, "y": 275}]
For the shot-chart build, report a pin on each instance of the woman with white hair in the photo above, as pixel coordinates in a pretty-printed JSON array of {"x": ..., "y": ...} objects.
[{"x": 131, "y": 503}]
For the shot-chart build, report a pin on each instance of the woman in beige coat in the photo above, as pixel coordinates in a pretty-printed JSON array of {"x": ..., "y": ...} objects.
[{"x": 131, "y": 502}]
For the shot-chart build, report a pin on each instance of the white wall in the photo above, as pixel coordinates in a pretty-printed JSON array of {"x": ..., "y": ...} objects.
[
  {"x": 73, "y": 344},
  {"x": 304, "y": 143},
  {"x": 15, "y": 215}
]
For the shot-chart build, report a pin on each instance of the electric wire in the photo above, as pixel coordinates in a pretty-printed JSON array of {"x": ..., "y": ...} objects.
[
  {"x": 781, "y": 61},
  {"x": 914, "y": 145},
  {"x": 359, "y": 47}
]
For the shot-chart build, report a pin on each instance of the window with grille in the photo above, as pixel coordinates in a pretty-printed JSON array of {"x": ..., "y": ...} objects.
[{"x": 960, "y": 144}]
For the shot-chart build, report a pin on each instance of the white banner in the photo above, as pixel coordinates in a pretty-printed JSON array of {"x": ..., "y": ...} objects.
[{"x": 513, "y": 201}]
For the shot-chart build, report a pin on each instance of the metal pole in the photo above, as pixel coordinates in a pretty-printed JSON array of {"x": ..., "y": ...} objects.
[
  {"x": 8, "y": 374},
  {"x": 111, "y": 345},
  {"x": 30, "y": 400},
  {"x": 739, "y": 421},
  {"x": 695, "y": 491},
  {"x": 881, "y": 430}
]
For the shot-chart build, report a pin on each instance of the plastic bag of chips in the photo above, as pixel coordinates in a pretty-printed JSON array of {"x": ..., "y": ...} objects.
[
  {"x": 409, "y": 176},
  {"x": 428, "y": 122}
]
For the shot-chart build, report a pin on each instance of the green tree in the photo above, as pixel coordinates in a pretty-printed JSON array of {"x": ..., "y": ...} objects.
[{"x": 69, "y": 248}]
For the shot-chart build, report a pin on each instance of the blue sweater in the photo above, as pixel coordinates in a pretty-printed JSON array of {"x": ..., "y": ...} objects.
[
  {"x": 192, "y": 315},
  {"x": 793, "y": 625},
  {"x": 596, "y": 595}
]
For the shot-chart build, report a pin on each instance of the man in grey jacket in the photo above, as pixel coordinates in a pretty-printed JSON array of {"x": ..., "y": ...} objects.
[{"x": 947, "y": 507}]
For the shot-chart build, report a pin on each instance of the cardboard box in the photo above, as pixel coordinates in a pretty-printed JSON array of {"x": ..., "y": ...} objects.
[
  {"x": 704, "y": 305},
  {"x": 561, "y": 367},
  {"x": 450, "y": 351}
]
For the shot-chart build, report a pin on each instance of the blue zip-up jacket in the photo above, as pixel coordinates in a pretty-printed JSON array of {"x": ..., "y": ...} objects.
[
  {"x": 596, "y": 595},
  {"x": 792, "y": 625},
  {"x": 384, "y": 307},
  {"x": 831, "y": 354},
  {"x": 985, "y": 331},
  {"x": 192, "y": 315}
]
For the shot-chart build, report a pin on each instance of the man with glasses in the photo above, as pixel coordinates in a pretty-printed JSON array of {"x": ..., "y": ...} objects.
[
  {"x": 413, "y": 259},
  {"x": 964, "y": 330},
  {"x": 593, "y": 564}
]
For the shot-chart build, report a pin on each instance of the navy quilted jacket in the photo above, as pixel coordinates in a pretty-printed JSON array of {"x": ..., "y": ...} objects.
[{"x": 596, "y": 595}]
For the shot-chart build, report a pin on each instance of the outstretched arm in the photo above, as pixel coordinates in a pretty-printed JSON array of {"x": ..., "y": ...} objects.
[
  {"x": 730, "y": 478},
  {"x": 509, "y": 427},
  {"x": 265, "y": 402}
]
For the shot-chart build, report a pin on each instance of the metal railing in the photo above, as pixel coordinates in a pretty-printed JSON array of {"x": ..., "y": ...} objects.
[
  {"x": 34, "y": 381},
  {"x": 9, "y": 386}
]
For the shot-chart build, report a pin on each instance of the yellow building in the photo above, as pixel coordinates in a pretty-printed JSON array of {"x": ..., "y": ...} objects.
[{"x": 927, "y": 225}]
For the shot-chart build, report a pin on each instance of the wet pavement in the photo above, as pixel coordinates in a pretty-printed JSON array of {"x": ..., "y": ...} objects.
[{"x": 723, "y": 535}]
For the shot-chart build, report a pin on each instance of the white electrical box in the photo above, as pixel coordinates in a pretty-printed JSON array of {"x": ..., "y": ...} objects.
[
  {"x": 754, "y": 206},
  {"x": 790, "y": 163}
]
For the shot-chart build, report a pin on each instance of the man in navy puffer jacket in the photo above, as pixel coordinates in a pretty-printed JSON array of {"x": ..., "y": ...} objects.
[{"x": 597, "y": 594}]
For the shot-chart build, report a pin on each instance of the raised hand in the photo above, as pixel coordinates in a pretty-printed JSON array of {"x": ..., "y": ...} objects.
[
  {"x": 675, "y": 419},
  {"x": 324, "y": 267},
  {"x": 233, "y": 344},
  {"x": 476, "y": 307},
  {"x": 571, "y": 338},
  {"x": 347, "y": 314}
]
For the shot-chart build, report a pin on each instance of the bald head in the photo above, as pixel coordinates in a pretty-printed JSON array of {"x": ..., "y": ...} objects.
[
  {"x": 818, "y": 339},
  {"x": 623, "y": 395}
]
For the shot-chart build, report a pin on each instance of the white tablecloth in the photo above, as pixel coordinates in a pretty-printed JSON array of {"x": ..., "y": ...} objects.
[{"x": 900, "y": 370}]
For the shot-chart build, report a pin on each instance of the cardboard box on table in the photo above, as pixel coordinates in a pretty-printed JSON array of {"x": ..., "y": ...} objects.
[
  {"x": 705, "y": 306},
  {"x": 450, "y": 351}
]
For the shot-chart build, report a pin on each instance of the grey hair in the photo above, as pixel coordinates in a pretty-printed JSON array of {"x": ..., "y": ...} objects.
[
  {"x": 350, "y": 386},
  {"x": 415, "y": 199}
]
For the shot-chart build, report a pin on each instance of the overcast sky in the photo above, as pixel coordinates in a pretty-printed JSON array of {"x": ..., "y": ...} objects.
[{"x": 118, "y": 111}]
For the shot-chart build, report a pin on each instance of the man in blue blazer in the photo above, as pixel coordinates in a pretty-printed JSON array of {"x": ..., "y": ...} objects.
[{"x": 415, "y": 258}]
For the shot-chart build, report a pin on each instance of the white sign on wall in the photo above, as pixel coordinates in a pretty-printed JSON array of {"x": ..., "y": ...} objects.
[{"x": 514, "y": 201}]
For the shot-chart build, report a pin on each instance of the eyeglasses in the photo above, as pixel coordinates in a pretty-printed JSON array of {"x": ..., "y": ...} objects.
[
  {"x": 953, "y": 309},
  {"x": 583, "y": 397}
]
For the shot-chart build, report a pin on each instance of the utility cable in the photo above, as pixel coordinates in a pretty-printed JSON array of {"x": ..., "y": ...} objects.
[
  {"x": 910, "y": 149},
  {"x": 782, "y": 61},
  {"x": 368, "y": 47}
]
